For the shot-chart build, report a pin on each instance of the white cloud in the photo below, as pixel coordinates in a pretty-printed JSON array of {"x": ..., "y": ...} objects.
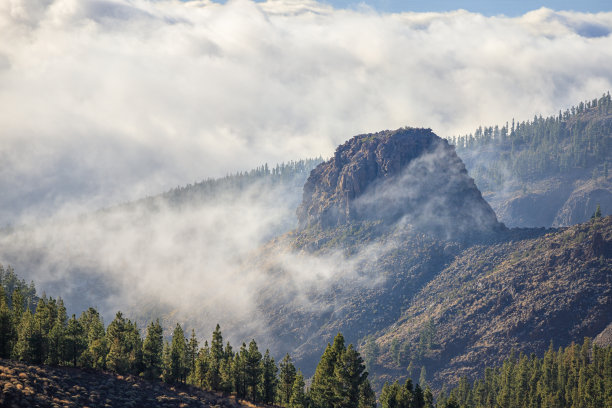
[{"x": 109, "y": 100}]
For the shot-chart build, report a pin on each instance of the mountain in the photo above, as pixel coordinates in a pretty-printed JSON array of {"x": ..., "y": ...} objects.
[
  {"x": 492, "y": 299},
  {"x": 408, "y": 174},
  {"x": 404, "y": 256},
  {"x": 546, "y": 171}
]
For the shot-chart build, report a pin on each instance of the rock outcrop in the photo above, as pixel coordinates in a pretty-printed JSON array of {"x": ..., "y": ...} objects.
[{"x": 407, "y": 174}]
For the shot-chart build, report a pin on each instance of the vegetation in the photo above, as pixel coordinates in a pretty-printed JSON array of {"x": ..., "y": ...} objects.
[
  {"x": 48, "y": 336},
  {"x": 579, "y": 138},
  {"x": 293, "y": 172},
  {"x": 576, "y": 376}
]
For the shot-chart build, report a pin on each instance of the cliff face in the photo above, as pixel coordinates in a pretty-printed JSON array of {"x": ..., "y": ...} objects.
[{"x": 406, "y": 174}]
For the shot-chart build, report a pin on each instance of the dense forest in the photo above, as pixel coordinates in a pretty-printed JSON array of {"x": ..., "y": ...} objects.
[
  {"x": 574, "y": 376},
  {"x": 580, "y": 138},
  {"x": 45, "y": 335}
]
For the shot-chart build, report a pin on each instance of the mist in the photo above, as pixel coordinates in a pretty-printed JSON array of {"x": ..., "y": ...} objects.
[{"x": 109, "y": 101}]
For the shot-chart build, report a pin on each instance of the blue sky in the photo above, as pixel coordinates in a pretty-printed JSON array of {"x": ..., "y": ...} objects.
[{"x": 486, "y": 7}]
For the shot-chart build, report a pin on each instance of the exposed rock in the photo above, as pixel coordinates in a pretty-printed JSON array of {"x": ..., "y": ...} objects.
[
  {"x": 604, "y": 338},
  {"x": 583, "y": 201},
  {"x": 406, "y": 174}
]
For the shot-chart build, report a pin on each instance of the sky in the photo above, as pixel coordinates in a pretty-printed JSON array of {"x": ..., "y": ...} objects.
[
  {"x": 511, "y": 8},
  {"x": 105, "y": 101}
]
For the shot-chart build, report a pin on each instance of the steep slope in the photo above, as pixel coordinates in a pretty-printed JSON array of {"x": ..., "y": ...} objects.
[
  {"x": 377, "y": 222},
  {"x": 547, "y": 171},
  {"x": 24, "y": 385},
  {"x": 406, "y": 173},
  {"x": 491, "y": 299}
]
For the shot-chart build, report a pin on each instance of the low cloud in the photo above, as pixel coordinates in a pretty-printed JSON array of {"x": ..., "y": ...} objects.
[{"x": 105, "y": 101}]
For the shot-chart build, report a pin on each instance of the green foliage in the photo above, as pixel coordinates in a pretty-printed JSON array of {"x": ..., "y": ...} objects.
[
  {"x": 286, "y": 380},
  {"x": 152, "y": 351},
  {"x": 298, "y": 396},
  {"x": 579, "y": 138},
  {"x": 340, "y": 379},
  {"x": 577, "y": 376},
  {"x": 269, "y": 380}
]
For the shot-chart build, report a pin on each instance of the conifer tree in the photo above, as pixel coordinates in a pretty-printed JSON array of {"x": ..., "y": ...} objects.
[
  {"x": 7, "y": 328},
  {"x": 178, "y": 347},
  {"x": 94, "y": 355},
  {"x": 202, "y": 365},
  {"x": 253, "y": 371},
  {"x": 213, "y": 378},
  {"x": 298, "y": 397},
  {"x": 75, "y": 341},
  {"x": 191, "y": 356},
  {"x": 286, "y": 379},
  {"x": 268, "y": 379},
  {"x": 152, "y": 351}
]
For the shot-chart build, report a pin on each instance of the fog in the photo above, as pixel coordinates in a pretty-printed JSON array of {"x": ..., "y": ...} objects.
[{"x": 107, "y": 101}]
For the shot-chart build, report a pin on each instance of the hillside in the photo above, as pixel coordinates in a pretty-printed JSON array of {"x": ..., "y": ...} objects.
[
  {"x": 491, "y": 299},
  {"x": 25, "y": 385},
  {"x": 413, "y": 297},
  {"x": 546, "y": 171}
]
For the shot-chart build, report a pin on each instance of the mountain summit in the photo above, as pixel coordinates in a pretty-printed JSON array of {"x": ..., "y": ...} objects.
[{"x": 406, "y": 174}]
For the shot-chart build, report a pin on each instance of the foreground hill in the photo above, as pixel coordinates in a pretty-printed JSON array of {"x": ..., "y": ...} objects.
[{"x": 24, "y": 385}]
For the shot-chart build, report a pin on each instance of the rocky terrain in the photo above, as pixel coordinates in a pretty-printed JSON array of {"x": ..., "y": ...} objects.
[
  {"x": 406, "y": 173},
  {"x": 517, "y": 295},
  {"x": 23, "y": 385}
]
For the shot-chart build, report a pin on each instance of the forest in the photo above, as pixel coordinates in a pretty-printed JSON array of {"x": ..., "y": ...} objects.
[
  {"x": 577, "y": 139},
  {"x": 37, "y": 330}
]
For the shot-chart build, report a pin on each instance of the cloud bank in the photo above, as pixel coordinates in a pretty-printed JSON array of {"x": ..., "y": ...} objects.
[{"x": 109, "y": 100}]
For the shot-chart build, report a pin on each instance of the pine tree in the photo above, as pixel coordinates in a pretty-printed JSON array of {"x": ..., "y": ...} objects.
[
  {"x": 7, "y": 328},
  {"x": 298, "y": 397},
  {"x": 253, "y": 371},
  {"x": 178, "y": 349},
  {"x": 268, "y": 379},
  {"x": 75, "y": 341},
  {"x": 152, "y": 351},
  {"x": 213, "y": 378},
  {"x": 97, "y": 349},
  {"x": 191, "y": 356},
  {"x": 286, "y": 379},
  {"x": 202, "y": 365}
]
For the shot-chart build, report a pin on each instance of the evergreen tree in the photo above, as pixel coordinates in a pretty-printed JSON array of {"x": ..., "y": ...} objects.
[
  {"x": 7, "y": 328},
  {"x": 75, "y": 341},
  {"x": 253, "y": 371},
  {"x": 298, "y": 397},
  {"x": 213, "y": 378},
  {"x": 322, "y": 389},
  {"x": 191, "y": 356},
  {"x": 152, "y": 351},
  {"x": 178, "y": 347},
  {"x": 202, "y": 365},
  {"x": 269, "y": 381},
  {"x": 94, "y": 355},
  {"x": 286, "y": 379}
]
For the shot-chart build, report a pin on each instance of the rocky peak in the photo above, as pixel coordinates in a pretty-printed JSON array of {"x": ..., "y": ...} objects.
[{"x": 409, "y": 175}]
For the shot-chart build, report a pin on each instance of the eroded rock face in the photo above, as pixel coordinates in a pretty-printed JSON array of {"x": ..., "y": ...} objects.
[{"x": 408, "y": 175}]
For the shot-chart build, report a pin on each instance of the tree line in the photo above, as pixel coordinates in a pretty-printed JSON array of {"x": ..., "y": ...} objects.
[
  {"x": 44, "y": 334},
  {"x": 574, "y": 376},
  {"x": 577, "y": 138}
]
